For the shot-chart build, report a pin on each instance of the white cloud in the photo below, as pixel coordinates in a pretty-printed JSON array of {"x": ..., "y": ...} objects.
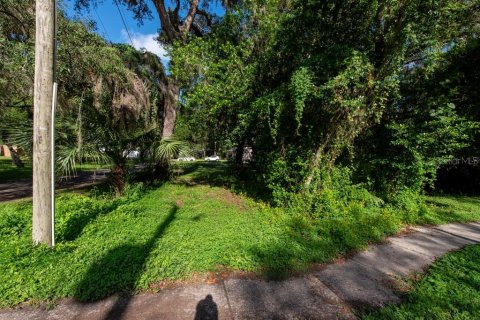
[{"x": 147, "y": 42}]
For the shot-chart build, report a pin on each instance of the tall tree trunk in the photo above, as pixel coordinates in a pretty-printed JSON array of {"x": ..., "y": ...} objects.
[
  {"x": 15, "y": 157},
  {"x": 161, "y": 171},
  {"x": 239, "y": 154},
  {"x": 118, "y": 177},
  {"x": 170, "y": 108},
  {"x": 313, "y": 165},
  {"x": 79, "y": 132},
  {"x": 43, "y": 93},
  {"x": 312, "y": 168}
]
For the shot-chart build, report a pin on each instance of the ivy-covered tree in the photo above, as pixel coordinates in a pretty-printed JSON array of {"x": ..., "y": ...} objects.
[
  {"x": 302, "y": 81},
  {"x": 435, "y": 119}
]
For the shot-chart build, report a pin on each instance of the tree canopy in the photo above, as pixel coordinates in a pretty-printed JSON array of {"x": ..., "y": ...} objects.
[
  {"x": 314, "y": 86},
  {"x": 382, "y": 92}
]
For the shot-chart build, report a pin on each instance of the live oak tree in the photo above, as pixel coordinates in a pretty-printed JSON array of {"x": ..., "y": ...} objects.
[
  {"x": 337, "y": 65},
  {"x": 180, "y": 20},
  {"x": 313, "y": 87}
]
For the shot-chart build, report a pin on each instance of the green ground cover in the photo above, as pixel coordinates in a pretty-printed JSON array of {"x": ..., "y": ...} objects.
[
  {"x": 188, "y": 226},
  {"x": 449, "y": 290}
]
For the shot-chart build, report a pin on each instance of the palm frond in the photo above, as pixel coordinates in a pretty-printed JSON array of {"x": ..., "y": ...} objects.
[
  {"x": 21, "y": 135},
  {"x": 67, "y": 158},
  {"x": 167, "y": 149}
]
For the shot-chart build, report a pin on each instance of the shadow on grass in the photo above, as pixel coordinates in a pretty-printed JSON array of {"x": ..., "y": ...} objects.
[
  {"x": 10, "y": 172},
  {"x": 80, "y": 213},
  {"x": 72, "y": 226},
  {"x": 119, "y": 269},
  {"x": 452, "y": 209},
  {"x": 221, "y": 174},
  {"x": 445, "y": 200},
  {"x": 292, "y": 251},
  {"x": 280, "y": 260}
]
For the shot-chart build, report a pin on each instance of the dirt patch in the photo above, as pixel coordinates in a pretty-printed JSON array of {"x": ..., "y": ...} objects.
[
  {"x": 221, "y": 273},
  {"x": 406, "y": 231},
  {"x": 179, "y": 203},
  {"x": 227, "y": 197}
]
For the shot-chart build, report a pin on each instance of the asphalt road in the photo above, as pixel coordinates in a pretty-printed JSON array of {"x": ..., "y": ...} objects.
[{"x": 23, "y": 188}]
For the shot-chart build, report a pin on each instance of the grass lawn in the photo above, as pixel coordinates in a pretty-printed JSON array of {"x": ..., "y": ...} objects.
[
  {"x": 449, "y": 290},
  {"x": 10, "y": 172},
  {"x": 451, "y": 209},
  {"x": 179, "y": 229}
]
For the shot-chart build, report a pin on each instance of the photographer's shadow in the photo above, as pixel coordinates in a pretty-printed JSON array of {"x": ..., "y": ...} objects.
[{"x": 206, "y": 309}]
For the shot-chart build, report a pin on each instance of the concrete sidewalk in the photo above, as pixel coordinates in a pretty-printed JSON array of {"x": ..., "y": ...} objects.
[{"x": 367, "y": 279}]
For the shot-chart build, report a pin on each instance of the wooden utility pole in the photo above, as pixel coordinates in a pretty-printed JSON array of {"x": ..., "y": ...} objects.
[{"x": 42, "y": 229}]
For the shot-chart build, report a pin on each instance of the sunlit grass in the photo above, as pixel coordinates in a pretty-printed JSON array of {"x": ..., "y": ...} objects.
[{"x": 174, "y": 231}]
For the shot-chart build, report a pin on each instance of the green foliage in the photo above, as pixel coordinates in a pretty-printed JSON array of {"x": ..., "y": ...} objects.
[
  {"x": 449, "y": 290},
  {"x": 417, "y": 135},
  {"x": 15, "y": 219},
  {"x": 164, "y": 151},
  {"x": 309, "y": 85},
  {"x": 411, "y": 205},
  {"x": 421, "y": 139},
  {"x": 300, "y": 87},
  {"x": 350, "y": 107},
  {"x": 16, "y": 63},
  {"x": 108, "y": 95}
]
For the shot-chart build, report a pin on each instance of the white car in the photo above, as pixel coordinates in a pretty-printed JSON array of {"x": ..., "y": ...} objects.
[
  {"x": 186, "y": 159},
  {"x": 132, "y": 154},
  {"x": 212, "y": 158}
]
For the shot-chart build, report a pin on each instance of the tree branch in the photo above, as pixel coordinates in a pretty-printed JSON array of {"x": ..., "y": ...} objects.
[
  {"x": 197, "y": 30},
  {"x": 22, "y": 25},
  {"x": 177, "y": 7},
  {"x": 208, "y": 17},
  {"x": 165, "y": 20},
  {"x": 189, "y": 19}
]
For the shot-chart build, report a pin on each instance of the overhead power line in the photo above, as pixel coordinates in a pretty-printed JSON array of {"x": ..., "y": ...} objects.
[
  {"x": 103, "y": 26},
  {"x": 124, "y": 24}
]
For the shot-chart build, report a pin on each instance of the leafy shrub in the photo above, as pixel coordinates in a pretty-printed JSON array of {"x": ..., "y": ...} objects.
[
  {"x": 14, "y": 220},
  {"x": 410, "y": 205},
  {"x": 134, "y": 192}
]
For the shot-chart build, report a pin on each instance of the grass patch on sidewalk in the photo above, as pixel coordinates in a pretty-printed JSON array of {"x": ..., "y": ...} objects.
[{"x": 449, "y": 290}]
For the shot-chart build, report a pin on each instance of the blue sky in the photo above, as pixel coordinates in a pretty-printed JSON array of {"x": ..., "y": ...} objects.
[{"x": 110, "y": 26}]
